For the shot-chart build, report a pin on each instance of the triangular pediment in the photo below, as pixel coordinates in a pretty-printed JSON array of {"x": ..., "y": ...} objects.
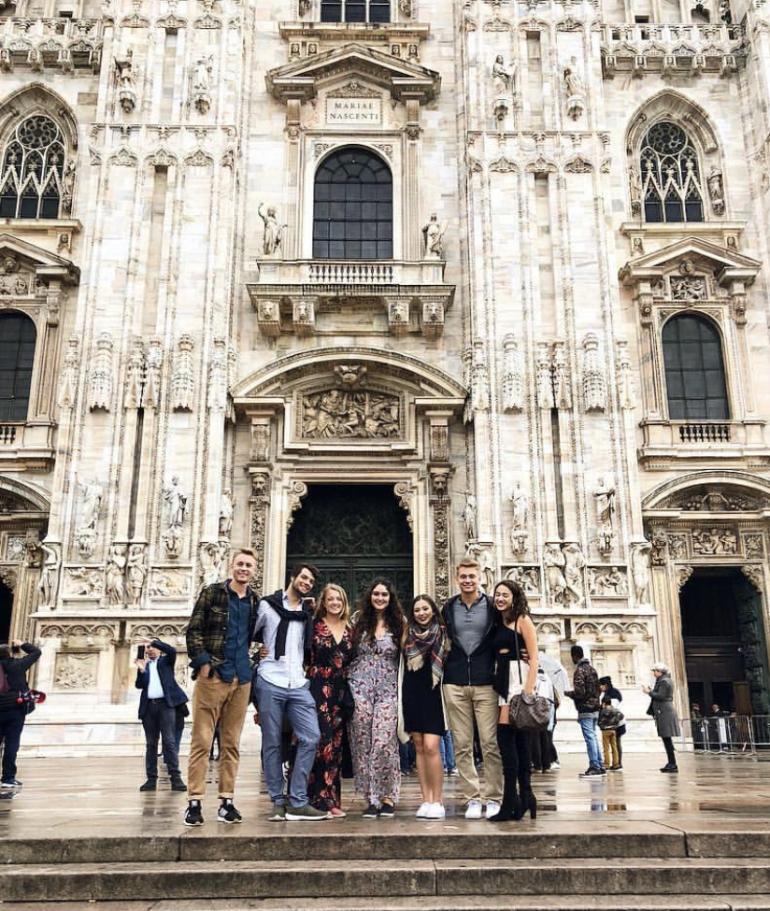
[
  {"x": 301, "y": 79},
  {"x": 17, "y": 254},
  {"x": 725, "y": 263}
]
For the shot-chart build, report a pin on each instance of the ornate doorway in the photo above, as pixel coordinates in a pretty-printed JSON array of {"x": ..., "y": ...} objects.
[
  {"x": 353, "y": 533},
  {"x": 6, "y": 612}
]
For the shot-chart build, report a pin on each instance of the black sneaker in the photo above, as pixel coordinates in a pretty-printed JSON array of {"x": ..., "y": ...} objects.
[
  {"x": 594, "y": 770},
  {"x": 387, "y": 810},
  {"x": 371, "y": 812},
  {"x": 177, "y": 784},
  {"x": 193, "y": 815},
  {"x": 227, "y": 813},
  {"x": 10, "y": 783},
  {"x": 150, "y": 785}
]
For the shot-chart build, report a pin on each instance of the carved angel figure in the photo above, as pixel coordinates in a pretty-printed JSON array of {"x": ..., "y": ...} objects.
[
  {"x": 226, "y": 515},
  {"x": 48, "y": 574},
  {"x": 114, "y": 584},
  {"x": 273, "y": 238},
  {"x": 433, "y": 237},
  {"x": 469, "y": 517}
]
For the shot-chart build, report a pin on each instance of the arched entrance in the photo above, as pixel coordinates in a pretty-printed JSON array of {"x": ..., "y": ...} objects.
[
  {"x": 352, "y": 533},
  {"x": 724, "y": 641}
]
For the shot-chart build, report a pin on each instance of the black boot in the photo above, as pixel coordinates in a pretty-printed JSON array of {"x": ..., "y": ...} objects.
[
  {"x": 528, "y": 804},
  {"x": 511, "y": 804}
]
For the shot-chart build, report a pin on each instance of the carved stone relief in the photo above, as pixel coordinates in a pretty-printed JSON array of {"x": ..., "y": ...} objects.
[
  {"x": 605, "y": 505},
  {"x": 712, "y": 541},
  {"x": 755, "y": 574},
  {"x": 593, "y": 380},
  {"x": 115, "y": 585},
  {"x": 183, "y": 377},
  {"x": 520, "y": 519},
  {"x": 339, "y": 414},
  {"x": 91, "y": 494},
  {"x": 513, "y": 378},
  {"x": 101, "y": 374},
  {"x": 49, "y": 574},
  {"x": 564, "y": 565},
  {"x": 169, "y": 583},
  {"x": 75, "y": 671},
  {"x": 83, "y": 582},
  {"x": 212, "y": 556},
  {"x": 640, "y": 571},
  {"x": 683, "y": 573},
  {"x": 439, "y": 502},
  {"x": 528, "y": 577},
  {"x": 136, "y": 573},
  {"x": 607, "y": 581},
  {"x": 175, "y": 499},
  {"x": 258, "y": 505}
]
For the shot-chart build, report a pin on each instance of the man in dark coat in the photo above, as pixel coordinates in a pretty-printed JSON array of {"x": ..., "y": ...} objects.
[{"x": 161, "y": 695}]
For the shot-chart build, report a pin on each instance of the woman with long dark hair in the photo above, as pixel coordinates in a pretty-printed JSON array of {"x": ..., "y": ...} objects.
[
  {"x": 425, "y": 647},
  {"x": 515, "y": 635},
  {"x": 331, "y": 651},
  {"x": 373, "y": 679}
]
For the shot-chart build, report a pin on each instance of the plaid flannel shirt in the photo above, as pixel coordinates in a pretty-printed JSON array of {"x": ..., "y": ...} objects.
[{"x": 207, "y": 629}]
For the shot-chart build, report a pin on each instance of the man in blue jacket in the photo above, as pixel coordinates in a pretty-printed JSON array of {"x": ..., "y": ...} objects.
[{"x": 161, "y": 694}]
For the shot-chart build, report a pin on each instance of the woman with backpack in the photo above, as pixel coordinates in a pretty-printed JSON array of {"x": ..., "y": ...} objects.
[{"x": 13, "y": 704}]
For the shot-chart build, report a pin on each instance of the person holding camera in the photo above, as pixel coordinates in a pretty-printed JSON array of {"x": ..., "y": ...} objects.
[
  {"x": 161, "y": 695},
  {"x": 282, "y": 690},
  {"x": 15, "y": 660}
]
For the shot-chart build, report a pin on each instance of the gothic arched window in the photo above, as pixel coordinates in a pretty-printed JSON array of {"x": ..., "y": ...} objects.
[
  {"x": 695, "y": 372},
  {"x": 32, "y": 170},
  {"x": 17, "y": 354},
  {"x": 353, "y": 207},
  {"x": 355, "y": 10},
  {"x": 671, "y": 183}
]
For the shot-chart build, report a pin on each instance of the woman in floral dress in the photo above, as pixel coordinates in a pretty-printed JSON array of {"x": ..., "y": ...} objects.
[
  {"x": 331, "y": 651},
  {"x": 373, "y": 681}
]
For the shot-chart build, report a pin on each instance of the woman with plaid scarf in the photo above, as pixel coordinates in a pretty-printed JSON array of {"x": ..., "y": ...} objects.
[{"x": 425, "y": 647}]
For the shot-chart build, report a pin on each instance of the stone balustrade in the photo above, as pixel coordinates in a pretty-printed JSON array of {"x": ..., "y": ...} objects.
[{"x": 64, "y": 44}]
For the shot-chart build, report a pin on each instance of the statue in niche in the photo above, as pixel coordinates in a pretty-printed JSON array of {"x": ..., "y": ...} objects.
[
  {"x": 635, "y": 190},
  {"x": 469, "y": 517},
  {"x": 640, "y": 571},
  {"x": 136, "y": 573},
  {"x": 573, "y": 573},
  {"x": 114, "y": 582},
  {"x": 126, "y": 80},
  {"x": 604, "y": 500},
  {"x": 503, "y": 77},
  {"x": 483, "y": 557},
  {"x": 176, "y": 507},
  {"x": 576, "y": 91},
  {"x": 273, "y": 236},
  {"x": 49, "y": 573},
  {"x": 91, "y": 493},
  {"x": 201, "y": 77},
  {"x": 520, "y": 502},
  {"x": 226, "y": 515},
  {"x": 433, "y": 238},
  {"x": 554, "y": 562},
  {"x": 716, "y": 190}
]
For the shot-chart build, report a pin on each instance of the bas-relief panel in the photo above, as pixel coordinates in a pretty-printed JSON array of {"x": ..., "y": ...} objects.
[
  {"x": 75, "y": 671},
  {"x": 339, "y": 414}
]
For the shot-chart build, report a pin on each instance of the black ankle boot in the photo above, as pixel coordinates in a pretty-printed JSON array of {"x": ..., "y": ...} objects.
[
  {"x": 511, "y": 804},
  {"x": 528, "y": 804}
]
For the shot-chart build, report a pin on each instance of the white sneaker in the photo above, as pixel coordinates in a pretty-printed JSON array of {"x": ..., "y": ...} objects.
[
  {"x": 473, "y": 810},
  {"x": 435, "y": 811},
  {"x": 493, "y": 808},
  {"x": 555, "y": 766},
  {"x": 422, "y": 813}
]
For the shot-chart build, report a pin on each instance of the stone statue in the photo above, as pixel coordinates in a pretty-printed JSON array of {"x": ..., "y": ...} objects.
[
  {"x": 433, "y": 236},
  {"x": 576, "y": 91},
  {"x": 91, "y": 493},
  {"x": 226, "y": 515},
  {"x": 640, "y": 571},
  {"x": 201, "y": 76},
  {"x": 114, "y": 582},
  {"x": 573, "y": 573},
  {"x": 273, "y": 238},
  {"x": 68, "y": 186},
  {"x": 469, "y": 517},
  {"x": 212, "y": 557},
  {"x": 635, "y": 190},
  {"x": 483, "y": 556},
  {"x": 502, "y": 77},
  {"x": 136, "y": 573},
  {"x": 49, "y": 574},
  {"x": 519, "y": 526},
  {"x": 604, "y": 501},
  {"x": 554, "y": 561},
  {"x": 716, "y": 190},
  {"x": 562, "y": 390},
  {"x": 125, "y": 77},
  {"x": 176, "y": 506}
]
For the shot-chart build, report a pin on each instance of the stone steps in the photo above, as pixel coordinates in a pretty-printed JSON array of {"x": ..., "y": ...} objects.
[{"x": 481, "y": 878}]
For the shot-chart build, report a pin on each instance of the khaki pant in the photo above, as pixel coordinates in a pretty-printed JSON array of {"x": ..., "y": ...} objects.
[
  {"x": 610, "y": 744},
  {"x": 214, "y": 700},
  {"x": 464, "y": 704}
]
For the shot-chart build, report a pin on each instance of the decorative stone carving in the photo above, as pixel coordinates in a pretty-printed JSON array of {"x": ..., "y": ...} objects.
[
  {"x": 338, "y": 414},
  {"x": 212, "y": 556},
  {"x": 527, "y": 577},
  {"x": 351, "y": 376},
  {"x": 218, "y": 371},
  {"x": 479, "y": 378},
  {"x": 635, "y": 190},
  {"x": 272, "y": 238},
  {"x": 73, "y": 671},
  {"x": 483, "y": 554},
  {"x": 258, "y": 505},
  {"x": 753, "y": 545},
  {"x": 439, "y": 441},
  {"x": 513, "y": 378},
  {"x": 433, "y": 238},
  {"x": 683, "y": 573},
  {"x": 136, "y": 573},
  {"x": 175, "y": 499},
  {"x": 626, "y": 391},
  {"x": 575, "y": 91},
  {"x": 115, "y": 587},
  {"x": 135, "y": 373},
  {"x": 432, "y": 317},
  {"x": 710, "y": 498},
  {"x": 226, "y": 510},
  {"x": 9, "y": 577},
  {"x": 183, "y": 377},
  {"x": 14, "y": 548},
  {"x": 398, "y": 316},
  {"x": 554, "y": 561},
  {"x": 169, "y": 583},
  {"x": 68, "y": 186},
  {"x": 101, "y": 374},
  {"x": 153, "y": 365},
  {"x": 33, "y": 553},
  {"x": 605, "y": 504},
  {"x": 439, "y": 481},
  {"x": 716, "y": 190},
  {"x": 640, "y": 571},
  {"x": 689, "y": 288},
  {"x": 712, "y": 541},
  {"x": 606, "y": 581},
  {"x": 405, "y": 493},
  {"x": 677, "y": 546},
  {"x": 503, "y": 77},
  {"x": 68, "y": 381},
  {"x": 91, "y": 493},
  {"x": 201, "y": 84},
  {"x": 562, "y": 389},
  {"x": 304, "y": 316},
  {"x": 659, "y": 549},
  {"x": 520, "y": 520},
  {"x": 83, "y": 582},
  {"x": 755, "y": 574},
  {"x": 594, "y": 383},
  {"x": 573, "y": 574},
  {"x": 297, "y": 492},
  {"x": 125, "y": 79},
  {"x": 544, "y": 377},
  {"x": 470, "y": 518},
  {"x": 49, "y": 574}
]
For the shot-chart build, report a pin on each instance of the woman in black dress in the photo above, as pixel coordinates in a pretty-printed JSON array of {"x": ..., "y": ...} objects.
[
  {"x": 425, "y": 647},
  {"x": 515, "y": 635},
  {"x": 331, "y": 651}
]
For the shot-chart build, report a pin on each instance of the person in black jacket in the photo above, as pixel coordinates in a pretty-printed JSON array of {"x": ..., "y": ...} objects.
[
  {"x": 161, "y": 695},
  {"x": 469, "y": 695},
  {"x": 12, "y": 711},
  {"x": 608, "y": 689}
]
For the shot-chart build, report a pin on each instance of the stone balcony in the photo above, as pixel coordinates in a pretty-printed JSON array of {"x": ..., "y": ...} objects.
[
  {"x": 669, "y": 442},
  {"x": 51, "y": 44},
  {"x": 26, "y": 446},
  {"x": 672, "y": 49},
  {"x": 290, "y": 295}
]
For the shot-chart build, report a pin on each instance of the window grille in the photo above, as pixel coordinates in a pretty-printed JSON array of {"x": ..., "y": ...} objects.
[
  {"x": 33, "y": 167},
  {"x": 671, "y": 182}
]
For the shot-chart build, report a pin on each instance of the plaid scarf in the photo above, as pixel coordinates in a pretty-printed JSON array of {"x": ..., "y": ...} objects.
[{"x": 420, "y": 642}]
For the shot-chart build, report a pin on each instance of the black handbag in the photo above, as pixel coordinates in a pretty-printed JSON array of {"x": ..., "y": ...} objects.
[{"x": 528, "y": 712}]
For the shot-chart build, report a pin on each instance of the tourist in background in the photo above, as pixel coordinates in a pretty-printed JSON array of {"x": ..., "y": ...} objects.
[
  {"x": 515, "y": 640},
  {"x": 447, "y": 749},
  {"x": 16, "y": 659},
  {"x": 585, "y": 695},
  {"x": 373, "y": 679},
  {"x": 425, "y": 647},
  {"x": 331, "y": 651},
  {"x": 610, "y": 720},
  {"x": 607, "y": 688},
  {"x": 469, "y": 694},
  {"x": 542, "y": 751},
  {"x": 664, "y": 713}
]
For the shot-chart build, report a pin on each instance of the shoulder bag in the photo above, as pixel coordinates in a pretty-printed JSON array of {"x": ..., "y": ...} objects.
[{"x": 527, "y": 712}]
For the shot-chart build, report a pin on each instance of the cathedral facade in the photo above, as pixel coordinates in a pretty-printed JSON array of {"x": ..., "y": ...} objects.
[{"x": 379, "y": 283}]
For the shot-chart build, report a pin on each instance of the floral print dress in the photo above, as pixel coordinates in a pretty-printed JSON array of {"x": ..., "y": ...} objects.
[
  {"x": 328, "y": 673},
  {"x": 373, "y": 681}
]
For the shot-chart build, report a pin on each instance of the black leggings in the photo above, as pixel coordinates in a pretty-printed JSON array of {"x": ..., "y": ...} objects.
[
  {"x": 514, "y": 752},
  {"x": 669, "y": 745}
]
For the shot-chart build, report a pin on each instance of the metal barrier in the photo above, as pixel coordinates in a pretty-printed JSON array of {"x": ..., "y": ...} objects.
[{"x": 731, "y": 735}]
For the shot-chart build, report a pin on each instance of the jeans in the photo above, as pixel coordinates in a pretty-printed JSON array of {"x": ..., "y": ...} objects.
[
  {"x": 447, "y": 749},
  {"x": 300, "y": 709},
  {"x": 160, "y": 721},
  {"x": 11, "y": 725},
  {"x": 588, "y": 725},
  {"x": 668, "y": 743}
]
